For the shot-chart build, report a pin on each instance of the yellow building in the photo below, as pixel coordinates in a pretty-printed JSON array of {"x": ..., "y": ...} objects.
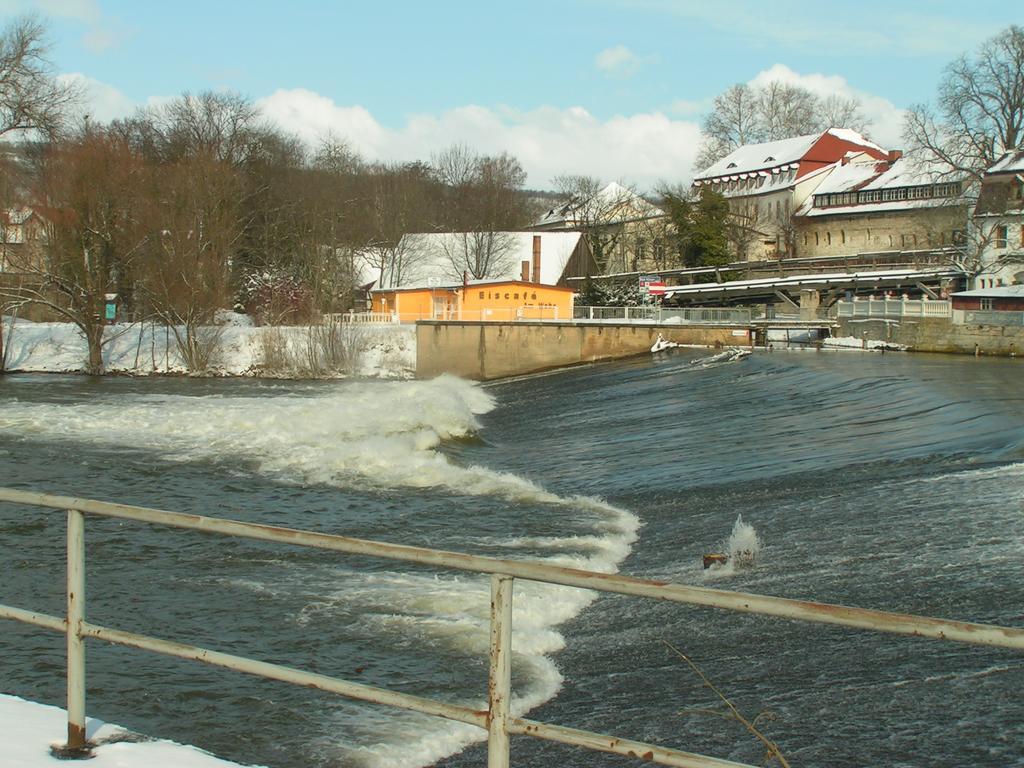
[{"x": 495, "y": 300}]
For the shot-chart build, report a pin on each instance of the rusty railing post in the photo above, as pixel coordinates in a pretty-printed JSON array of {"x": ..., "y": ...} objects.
[
  {"x": 499, "y": 687},
  {"x": 75, "y": 641}
]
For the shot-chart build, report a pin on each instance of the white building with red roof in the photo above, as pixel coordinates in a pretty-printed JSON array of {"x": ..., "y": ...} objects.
[{"x": 766, "y": 183}]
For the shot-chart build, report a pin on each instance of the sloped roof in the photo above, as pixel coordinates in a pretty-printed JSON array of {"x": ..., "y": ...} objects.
[
  {"x": 752, "y": 158},
  {"x": 1002, "y": 292},
  {"x": 864, "y": 173},
  {"x": 613, "y": 202},
  {"x": 1009, "y": 163},
  {"x": 428, "y": 263}
]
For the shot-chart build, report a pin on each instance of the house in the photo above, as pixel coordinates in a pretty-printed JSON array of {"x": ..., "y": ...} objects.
[
  {"x": 624, "y": 229},
  {"x": 1001, "y": 305},
  {"x": 869, "y": 205},
  {"x": 999, "y": 220},
  {"x": 766, "y": 183},
  {"x": 487, "y": 300},
  {"x": 22, "y": 239},
  {"x": 482, "y": 275}
]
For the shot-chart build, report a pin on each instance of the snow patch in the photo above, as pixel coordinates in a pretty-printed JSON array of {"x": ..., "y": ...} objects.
[{"x": 34, "y": 728}]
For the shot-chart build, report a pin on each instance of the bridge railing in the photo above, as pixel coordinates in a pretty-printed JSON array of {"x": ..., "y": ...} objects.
[
  {"x": 657, "y": 314},
  {"x": 894, "y": 308},
  {"x": 497, "y": 719}
]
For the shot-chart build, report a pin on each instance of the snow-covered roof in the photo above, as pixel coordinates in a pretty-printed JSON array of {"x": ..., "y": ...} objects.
[
  {"x": 1002, "y": 292},
  {"x": 428, "y": 258},
  {"x": 612, "y": 204},
  {"x": 1010, "y": 162},
  {"x": 769, "y": 155},
  {"x": 862, "y": 173}
]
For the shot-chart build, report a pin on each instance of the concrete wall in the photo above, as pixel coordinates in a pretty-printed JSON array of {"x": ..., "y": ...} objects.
[
  {"x": 938, "y": 334},
  {"x": 485, "y": 351}
]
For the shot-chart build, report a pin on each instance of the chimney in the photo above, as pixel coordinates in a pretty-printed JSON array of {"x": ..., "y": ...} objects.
[
  {"x": 895, "y": 154},
  {"x": 525, "y": 271},
  {"x": 536, "y": 258}
]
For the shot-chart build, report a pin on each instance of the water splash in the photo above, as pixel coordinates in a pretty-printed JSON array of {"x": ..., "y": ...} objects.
[{"x": 743, "y": 545}]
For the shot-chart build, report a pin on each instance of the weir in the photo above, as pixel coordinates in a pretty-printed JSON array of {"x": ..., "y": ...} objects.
[
  {"x": 495, "y": 350},
  {"x": 496, "y": 719}
]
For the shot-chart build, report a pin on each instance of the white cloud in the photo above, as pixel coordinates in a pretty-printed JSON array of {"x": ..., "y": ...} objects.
[
  {"x": 642, "y": 148},
  {"x": 885, "y": 118},
  {"x": 100, "y": 101},
  {"x": 618, "y": 61},
  {"x": 101, "y": 32}
]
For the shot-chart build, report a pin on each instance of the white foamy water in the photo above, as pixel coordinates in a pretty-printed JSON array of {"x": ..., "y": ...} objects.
[{"x": 375, "y": 436}]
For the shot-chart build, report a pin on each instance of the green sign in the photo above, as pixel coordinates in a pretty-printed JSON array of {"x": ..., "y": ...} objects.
[{"x": 111, "y": 311}]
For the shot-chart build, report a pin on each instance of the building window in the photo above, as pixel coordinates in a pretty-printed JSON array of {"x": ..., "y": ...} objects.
[
  {"x": 1001, "y": 235},
  {"x": 828, "y": 238},
  {"x": 817, "y": 240},
  {"x": 842, "y": 236},
  {"x": 987, "y": 303}
]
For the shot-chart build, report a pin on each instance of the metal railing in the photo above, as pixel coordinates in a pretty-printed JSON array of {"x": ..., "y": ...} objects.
[
  {"x": 653, "y": 313},
  {"x": 894, "y": 308},
  {"x": 496, "y": 719}
]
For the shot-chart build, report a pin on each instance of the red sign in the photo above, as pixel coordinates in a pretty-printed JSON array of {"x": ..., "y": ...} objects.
[{"x": 658, "y": 289}]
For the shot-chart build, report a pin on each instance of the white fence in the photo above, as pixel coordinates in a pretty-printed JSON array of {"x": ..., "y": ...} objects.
[
  {"x": 894, "y": 308},
  {"x": 496, "y": 720}
]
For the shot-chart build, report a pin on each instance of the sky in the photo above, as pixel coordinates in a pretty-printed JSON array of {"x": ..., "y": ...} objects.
[{"x": 608, "y": 88}]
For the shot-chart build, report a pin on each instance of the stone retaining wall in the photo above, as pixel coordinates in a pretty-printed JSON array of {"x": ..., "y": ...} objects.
[
  {"x": 938, "y": 334},
  {"x": 486, "y": 351}
]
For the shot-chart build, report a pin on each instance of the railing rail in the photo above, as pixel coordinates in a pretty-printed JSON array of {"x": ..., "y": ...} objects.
[{"x": 496, "y": 719}]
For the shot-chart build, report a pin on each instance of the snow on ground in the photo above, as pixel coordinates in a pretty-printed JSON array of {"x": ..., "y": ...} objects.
[
  {"x": 31, "y": 729},
  {"x": 852, "y": 342},
  {"x": 386, "y": 351}
]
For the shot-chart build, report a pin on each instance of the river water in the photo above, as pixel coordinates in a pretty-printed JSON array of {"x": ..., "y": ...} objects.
[{"x": 890, "y": 482}]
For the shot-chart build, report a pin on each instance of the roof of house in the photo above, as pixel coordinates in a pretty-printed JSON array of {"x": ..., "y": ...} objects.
[
  {"x": 428, "y": 260},
  {"x": 1010, "y": 162},
  {"x": 771, "y": 155},
  {"x": 613, "y": 204},
  {"x": 863, "y": 173},
  {"x": 1002, "y": 292}
]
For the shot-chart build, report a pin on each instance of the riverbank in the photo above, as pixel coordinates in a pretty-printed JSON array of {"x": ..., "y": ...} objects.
[{"x": 236, "y": 349}]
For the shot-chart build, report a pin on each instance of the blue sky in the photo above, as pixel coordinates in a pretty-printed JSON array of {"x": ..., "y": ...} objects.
[{"x": 613, "y": 88}]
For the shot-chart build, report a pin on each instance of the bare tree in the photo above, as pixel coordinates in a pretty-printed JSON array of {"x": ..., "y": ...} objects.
[
  {"x": 604, "y": 213},
  {"x": 221, "y": 124},
  {"x": 744, "y": 114},
  {"x": 479, "y": 255},
  {"x": 335, "y": 155},
  {"x": 89, "y": 187},
  {"x": 400, "y": 200},
  {"x": 196, "y": 219},
  {"x": 979, "y": 113},
  {"x": 786, "y": 110},
  {"x": 734, "y": 120},
  {"x": 31, "y": 99}
]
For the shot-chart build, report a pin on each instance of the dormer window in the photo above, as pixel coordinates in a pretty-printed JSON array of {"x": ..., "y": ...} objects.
[
  {"x": 769, "y": 159},
  {"x": 731, "y": 165}
]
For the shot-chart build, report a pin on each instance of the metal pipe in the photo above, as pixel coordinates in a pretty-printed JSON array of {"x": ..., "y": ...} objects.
[
  {"x": 602, "y": 743},
  {"x": 287, "y": 675},
  {"x": 75, "y": 622},
  {"x": 499, "y": 686},
  {"x": 43, "y": 620},
  {"x": 822, "y": 613}
]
